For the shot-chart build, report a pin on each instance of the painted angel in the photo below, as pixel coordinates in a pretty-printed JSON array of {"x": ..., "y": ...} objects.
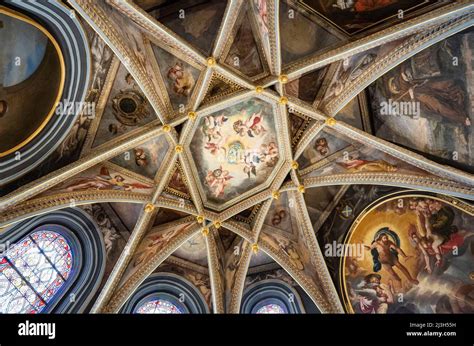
[
  {"x": 104, "y": 181},
  {"x": 212, "y": 127},
  {"x": 269, "y": 153},
  {"x": 217, "y": 180},
  {"x": 183, "y": 80},
  {"x": 217, "y": 146},
  {"x": 253, "y": 126}
]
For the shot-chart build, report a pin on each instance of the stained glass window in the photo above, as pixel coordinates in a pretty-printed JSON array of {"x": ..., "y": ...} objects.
[
  {"x": 271, "y": 309},
  {"x": 32, "y": 271},
  {"x": 158, "y": 306}
]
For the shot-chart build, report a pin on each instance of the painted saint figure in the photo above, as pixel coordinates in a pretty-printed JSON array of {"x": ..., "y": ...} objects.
[
  {"x": 434, "y": 234},
  {"x": 104, "y": 181},
  {"x": 385, "y": 254},
  {"x": 443, "y": 97},
  {"x": 360, "y": 165},
  {"x": 374, "y": 296}
]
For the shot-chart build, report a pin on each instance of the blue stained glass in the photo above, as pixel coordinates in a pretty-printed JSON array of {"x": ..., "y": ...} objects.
[
  {"x": 158, "y": 306},
  {"x": 32, "y": 271},
  {"x": 271, "y": 309}
]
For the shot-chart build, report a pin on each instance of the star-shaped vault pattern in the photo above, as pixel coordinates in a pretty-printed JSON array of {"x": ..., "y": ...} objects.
[{"x": 220, "y": 140}]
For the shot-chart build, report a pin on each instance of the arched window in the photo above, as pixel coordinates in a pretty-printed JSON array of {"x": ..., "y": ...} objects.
[
  {"x": 271, "y": 297},
  {"x": 166, "y": 293},
  {"x": 33, "y": 271},
  {"x": 273, "y": 308},
  {"x": 50, "y": 263},
  {"x": 158, "y": 306}
]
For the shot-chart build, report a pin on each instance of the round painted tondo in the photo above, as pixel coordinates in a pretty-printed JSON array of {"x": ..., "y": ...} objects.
[{"x": 412, "y": 253}]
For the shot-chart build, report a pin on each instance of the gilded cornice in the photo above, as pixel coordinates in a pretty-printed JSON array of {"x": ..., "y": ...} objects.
[
  {"x": 70, "y": 199},
  {"x": 425, "y": 182}
]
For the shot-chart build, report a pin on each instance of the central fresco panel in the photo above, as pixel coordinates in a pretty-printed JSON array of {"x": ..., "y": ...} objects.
[{"x": 235, "y": 150}]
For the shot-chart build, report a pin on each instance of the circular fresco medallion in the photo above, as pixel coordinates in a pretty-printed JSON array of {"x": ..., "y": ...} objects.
[{"x": 410, "y": 254}]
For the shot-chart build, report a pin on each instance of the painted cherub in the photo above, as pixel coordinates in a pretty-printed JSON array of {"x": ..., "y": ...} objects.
[
  {"x": 253, "y": 126},
  {"x": 182, "y": 79},
  {"x": 269, "y": 153},
  {"x": 212, "y": 127},
  {"x": 217, "y": 180},
  {"x": 215, "y": 147},
  {"x": 321, "y": 146}
]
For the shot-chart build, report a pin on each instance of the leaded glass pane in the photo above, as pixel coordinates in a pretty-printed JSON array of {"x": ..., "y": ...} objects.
[
  {"x": 17, "y": 294},
  {"x": 271, "y": 309},
  {"x": 158, "y": 306},
  {"x": 32, "y": 272},
  {"x": 56, "y": 248}
]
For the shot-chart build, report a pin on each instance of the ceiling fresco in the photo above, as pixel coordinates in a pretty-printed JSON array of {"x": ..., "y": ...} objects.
[
  {"x": 354, "y": 17},
  {"x": 196, "y": 21},
  {"x": 236, "y": 145},
  {"x": 435, "y": 242},
  {"x": 103, "y": 177},
  {"x": 438, "y": 80},
  {"x": 296, "y": 23},
  {"x": 236, "y": 149},
  {"x": 146, "y": 159},
  {"x": 246, "y": 53},
  {"x": 126, "y": 108},
  {"x": 178, "y": 77}
]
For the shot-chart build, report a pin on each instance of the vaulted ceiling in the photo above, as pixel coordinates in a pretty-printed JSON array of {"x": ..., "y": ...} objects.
[{"x": 233, "y": 131}]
